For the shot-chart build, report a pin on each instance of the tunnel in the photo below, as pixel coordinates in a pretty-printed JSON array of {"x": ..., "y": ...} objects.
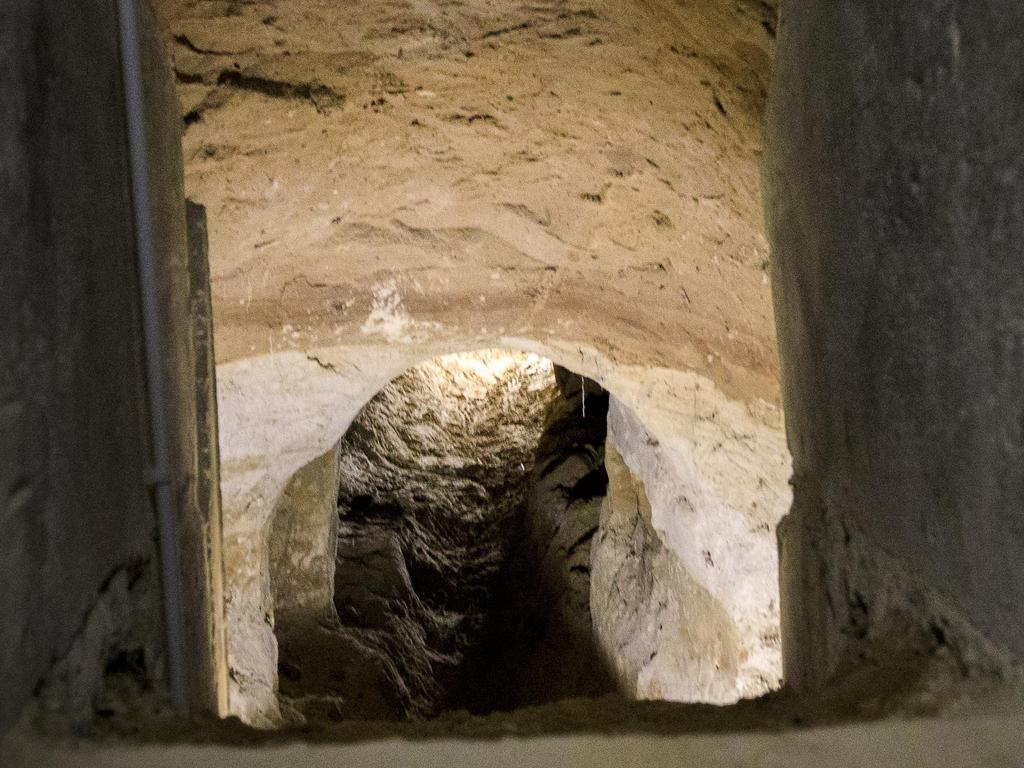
[
  {"x": 478, "y": 541},
  {"x": 459, "y": 582},
  {"x": 552, "y": 383}
]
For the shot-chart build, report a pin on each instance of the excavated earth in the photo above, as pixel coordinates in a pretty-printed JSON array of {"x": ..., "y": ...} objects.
[
  {"x": 418, "y": 171},
  {"x": 391, "y": 181},
  {"x": 387, "y": 182}
]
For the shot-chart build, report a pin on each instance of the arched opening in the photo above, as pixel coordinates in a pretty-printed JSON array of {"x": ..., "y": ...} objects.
[
  {"x": 494, "y": 530},
  {"x": 468, "y": 491}
]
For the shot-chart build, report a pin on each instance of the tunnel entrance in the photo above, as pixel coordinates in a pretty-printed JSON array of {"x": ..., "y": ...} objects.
[
  {"x": 469, "y": 490},
  {"x": 494, "y": 531}
]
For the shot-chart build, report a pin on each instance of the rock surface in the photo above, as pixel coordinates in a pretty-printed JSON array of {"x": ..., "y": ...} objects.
[
  {"x": 685, "y": 600},
  {"x": 433, "y": 478},
  {"x": 405, "y": 172},
  {"x": 471, "y": 488},
  {"x": 391, "y": 182},
  {"x": 279, "y": 412},
  {"x": 540, "y": 644}
]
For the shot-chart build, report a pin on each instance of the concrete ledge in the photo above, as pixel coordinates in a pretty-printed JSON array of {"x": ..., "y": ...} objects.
[{"x": 975, "y": 743}]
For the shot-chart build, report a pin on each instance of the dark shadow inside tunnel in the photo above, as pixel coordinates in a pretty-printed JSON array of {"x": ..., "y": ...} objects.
[{"x": 469, "y": 490}]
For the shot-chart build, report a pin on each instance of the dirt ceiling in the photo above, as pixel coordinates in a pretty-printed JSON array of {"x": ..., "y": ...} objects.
[{"x": 415, "y": 172}]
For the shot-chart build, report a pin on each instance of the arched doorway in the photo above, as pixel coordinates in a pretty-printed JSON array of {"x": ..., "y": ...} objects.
[{"x": 686, "y": 523}]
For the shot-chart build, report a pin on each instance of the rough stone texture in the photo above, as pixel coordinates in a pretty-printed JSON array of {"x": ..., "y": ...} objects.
[
  {"x": 433, "y": 478},
  {"x": 113, "y": 659},
  {"x": 270, "y": 429},
  {"x": 303, "y": 538},
  {"x": 672, "y": 624},
  {"x": 540, "y": 646},
  {"x": 581, "y": 171},
  {"x": 74, "y": 440},
  {"x": 279, "y": 412},
  {"x": 684, "y": 596},
  {"x": 389, "y": 183},
  {"x": 301, "y": 544},
  {"x": 896, "y": 217}
]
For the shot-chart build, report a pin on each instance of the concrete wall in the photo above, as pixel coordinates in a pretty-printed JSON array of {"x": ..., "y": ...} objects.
[
  {"x": 896, "y": 215},
  {"x": 74, "y": 509},
  {"x": 74, "y": 506},
  {"x": 188, "y": 369}
]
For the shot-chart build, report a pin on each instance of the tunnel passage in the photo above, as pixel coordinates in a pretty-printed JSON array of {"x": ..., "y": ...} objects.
[
  {"x": 468, "y": 491},
  {"x": 495, "y": 531}
]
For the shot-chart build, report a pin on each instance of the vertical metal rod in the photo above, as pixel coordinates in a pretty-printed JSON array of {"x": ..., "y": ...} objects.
[{"x": 167, "y": 528}]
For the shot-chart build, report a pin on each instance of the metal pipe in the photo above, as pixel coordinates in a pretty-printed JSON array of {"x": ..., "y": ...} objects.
[{"x": 152, "y": 329}]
